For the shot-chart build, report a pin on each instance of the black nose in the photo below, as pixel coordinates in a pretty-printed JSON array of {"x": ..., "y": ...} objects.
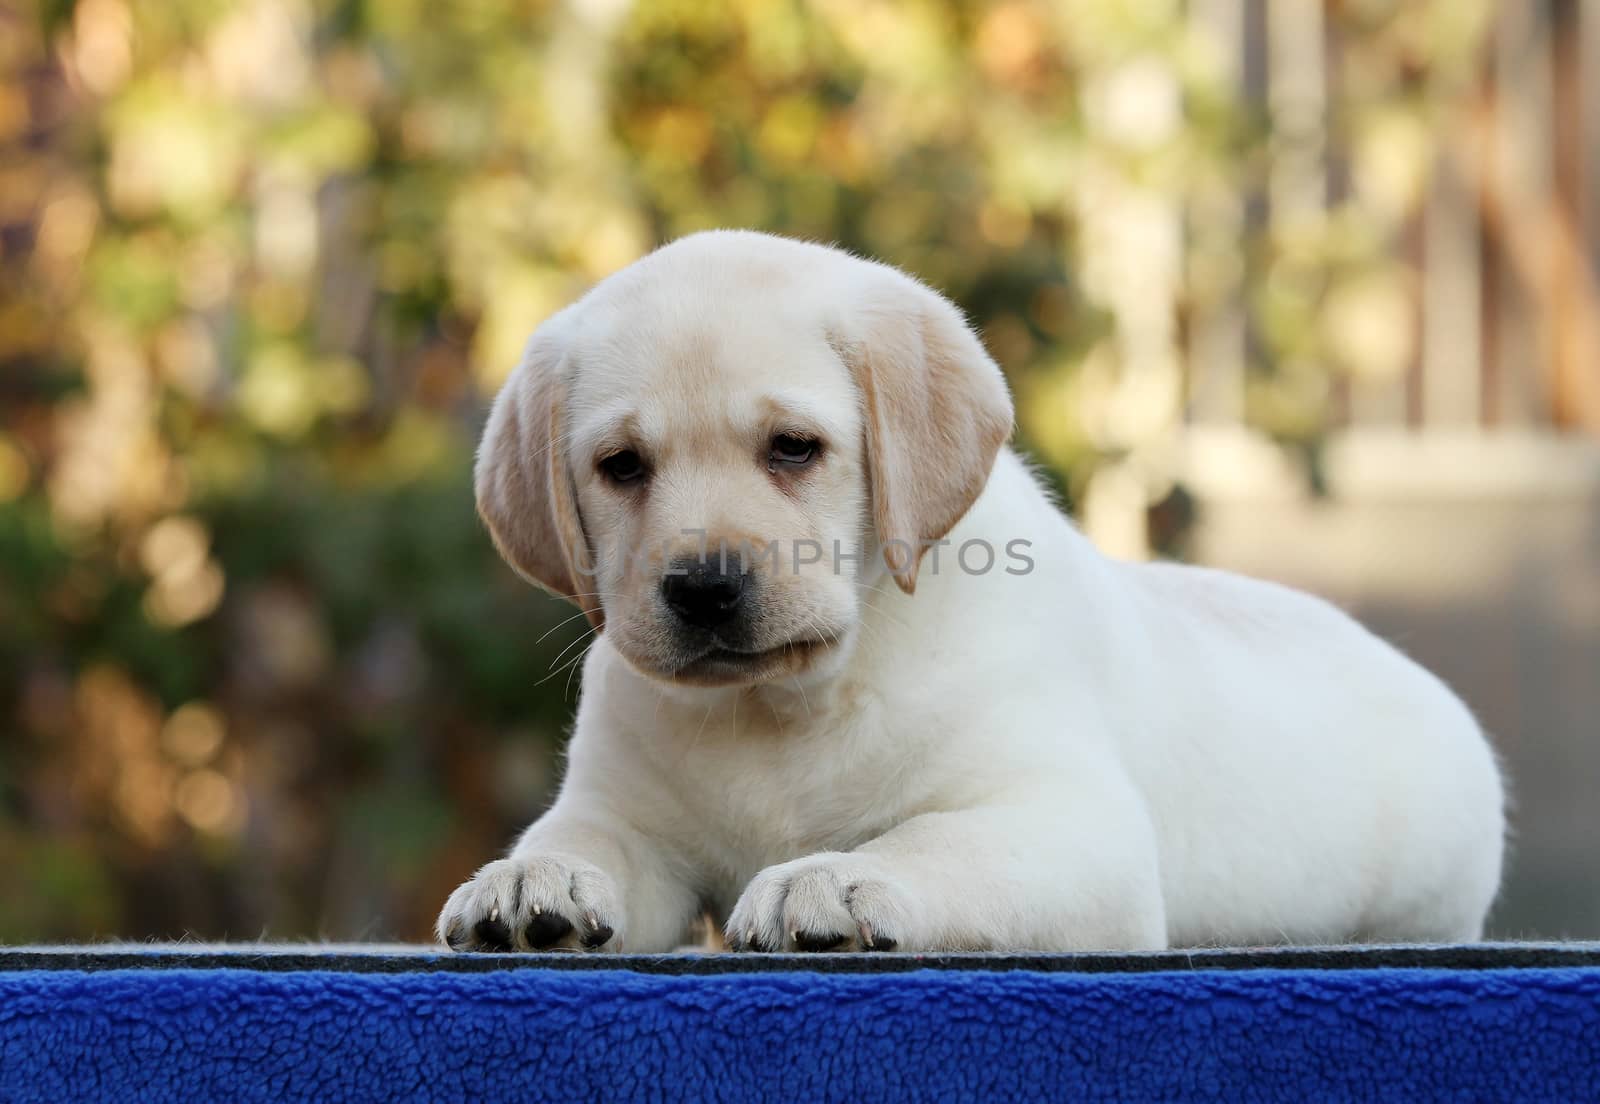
[{"x": 704, "y": 594}]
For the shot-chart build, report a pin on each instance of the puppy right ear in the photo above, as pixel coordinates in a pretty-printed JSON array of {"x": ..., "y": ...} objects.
[
  {"x": 523, "y": 477},
  {"x": 938, "y": 411}
]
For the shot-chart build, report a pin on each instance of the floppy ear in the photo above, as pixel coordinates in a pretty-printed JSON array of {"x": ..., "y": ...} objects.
[
  {"x": 524, "y": 482},
  {"x": 937, "y": 413}
]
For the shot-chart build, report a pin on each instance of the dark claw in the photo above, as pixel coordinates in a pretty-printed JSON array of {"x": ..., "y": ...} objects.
[
  {"x": 742, "y": 945},
  {"x": 546, "y": 928},
  {"x": 597, "y": 937},
  {"x": 817, "y": 941},
  {"x": 881, "y": 943},
  {"x": 493, "y": 935},
  {"x": 453, "y": 937}
]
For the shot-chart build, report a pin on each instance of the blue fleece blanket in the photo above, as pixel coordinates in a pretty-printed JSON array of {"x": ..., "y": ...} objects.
[{"x": 538, "y": 1034}]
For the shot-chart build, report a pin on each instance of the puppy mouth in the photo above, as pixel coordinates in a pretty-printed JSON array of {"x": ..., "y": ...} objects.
[{"x": 720, "y": 664}]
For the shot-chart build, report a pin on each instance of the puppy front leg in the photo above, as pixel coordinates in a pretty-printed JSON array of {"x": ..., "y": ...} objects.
[
  {"x": 1027, "y": 876},
  {"x": 576, "y": 880}
]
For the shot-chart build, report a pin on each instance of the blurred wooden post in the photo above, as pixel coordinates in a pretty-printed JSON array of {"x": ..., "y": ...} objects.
[
  {"x": 1575, "y": 340},
  {"x": 1217, "y": 334},
  {"x": 1589, "y": 127},
  {"x": 1518, "y": 157},
  {"x": 1134, "y": 243},
  {"x": 1532, "y": 214},
  {"x": 1297, "y": 99},
  {"x": 1451, "y": 357}
]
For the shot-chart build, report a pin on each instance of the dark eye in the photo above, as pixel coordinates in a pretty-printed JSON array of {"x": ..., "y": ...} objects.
[
  {"x": 789, "y": 448},
  {"x": 623, "y": 467}
]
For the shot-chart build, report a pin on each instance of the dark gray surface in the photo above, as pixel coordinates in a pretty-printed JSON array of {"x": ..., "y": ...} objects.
[{"x": 390, "y": 959}]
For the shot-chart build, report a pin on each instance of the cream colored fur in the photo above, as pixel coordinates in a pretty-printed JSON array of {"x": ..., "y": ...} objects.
[{"x": 1087, "y": 754}]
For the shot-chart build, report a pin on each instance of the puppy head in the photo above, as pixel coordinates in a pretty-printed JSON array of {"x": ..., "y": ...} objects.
[{"x": 720, "y": 448}]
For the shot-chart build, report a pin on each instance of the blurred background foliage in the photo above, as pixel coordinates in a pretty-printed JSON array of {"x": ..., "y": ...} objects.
[{"x": 264, "y": 262}]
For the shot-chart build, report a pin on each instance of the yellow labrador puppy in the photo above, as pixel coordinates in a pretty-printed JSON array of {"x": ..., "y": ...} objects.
[{"x": 858, "y": 684}]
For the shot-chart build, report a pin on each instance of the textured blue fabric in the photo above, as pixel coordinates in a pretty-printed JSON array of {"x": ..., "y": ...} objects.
[{"x": 1405, "y": 1035}]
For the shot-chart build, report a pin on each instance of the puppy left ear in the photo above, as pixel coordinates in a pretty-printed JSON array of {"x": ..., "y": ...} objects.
[{"x": 937, "y": 409}]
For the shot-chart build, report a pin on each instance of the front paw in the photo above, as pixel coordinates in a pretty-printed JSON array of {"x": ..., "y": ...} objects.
[
  {"x": 826, "y": 902},
  {"x": 536, "y": 904}
]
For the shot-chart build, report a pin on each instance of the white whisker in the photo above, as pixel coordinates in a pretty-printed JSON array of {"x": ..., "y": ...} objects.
[
  {"x": 803, "y": 699},
  {"x": 558, "y": 624},
  {"x": 572, "y": 668},
  {"x": 570, "y": 645}
]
